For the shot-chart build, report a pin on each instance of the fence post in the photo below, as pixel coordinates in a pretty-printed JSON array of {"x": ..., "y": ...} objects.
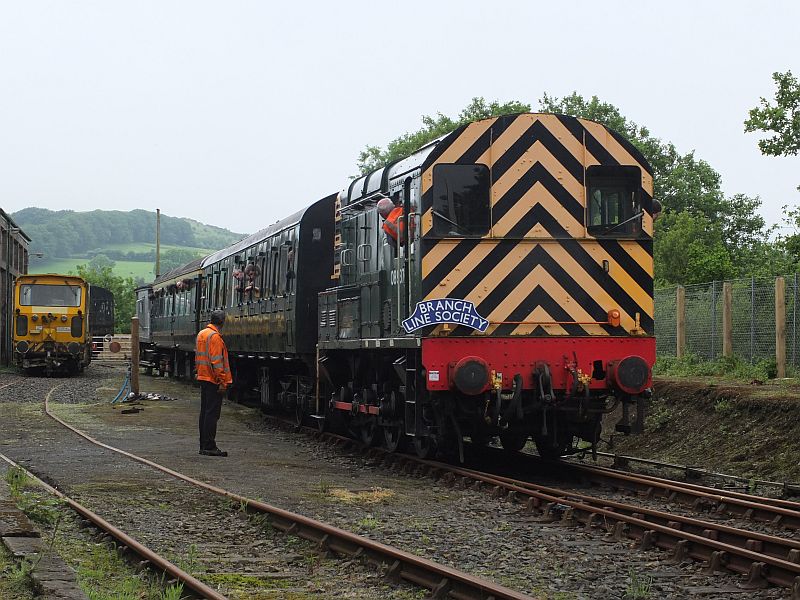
[
  {"x": 135, "y": 355},
  {"x": 752, "y": 320},
  {"x": 727, "y": 320},
  {"x": 794, "y": 321},
  {"x": 680, "y": 329},
  {"x": 780, "y": 326},
  {"x": 713, "y": 354}
]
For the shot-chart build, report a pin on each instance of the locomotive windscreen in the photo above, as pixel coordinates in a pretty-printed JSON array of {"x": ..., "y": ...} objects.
[{"x": 460, "y": 200}]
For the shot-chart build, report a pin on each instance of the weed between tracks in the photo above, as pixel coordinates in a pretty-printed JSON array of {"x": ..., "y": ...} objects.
[
  {"x": 638, "y": 586},
  {"x": 101, "y": 572}
]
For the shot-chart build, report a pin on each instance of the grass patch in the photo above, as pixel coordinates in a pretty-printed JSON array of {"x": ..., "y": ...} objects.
[
  {"x": 371, "y": 496},
  {"x": 369, "y": 523},
  {"x": 101, "y": 572},
  {"x": 725, "y": 367},
  {"x": 638, "y": 586},
  {"x": 15, "y": 583}
]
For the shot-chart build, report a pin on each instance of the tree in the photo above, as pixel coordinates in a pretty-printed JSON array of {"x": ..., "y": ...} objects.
[
  {"x": 100, "y": 261},
  {"x": 177, "y": 257},
  {"x": 691, "y": 250},
  {"x": 123, "y": 289},
  {"x": 782, "y": 119},
  {"x": 373, "y": 157}
]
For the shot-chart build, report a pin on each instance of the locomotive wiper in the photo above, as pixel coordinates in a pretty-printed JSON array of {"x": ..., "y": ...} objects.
[
  {"x": 625, "y": 222},
  {"x": 441, "y": 216}
]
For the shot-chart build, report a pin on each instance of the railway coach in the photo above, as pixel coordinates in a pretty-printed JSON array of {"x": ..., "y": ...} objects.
[{"x": 517, "y": 301}]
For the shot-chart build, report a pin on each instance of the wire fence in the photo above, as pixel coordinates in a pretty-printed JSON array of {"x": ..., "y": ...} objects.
[{"x": 752, "y": 318}]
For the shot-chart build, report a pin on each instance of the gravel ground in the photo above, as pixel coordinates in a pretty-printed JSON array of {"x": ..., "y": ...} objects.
[
  {"x": 209, "y": 536},
  {"x": 466, "y": 529}
]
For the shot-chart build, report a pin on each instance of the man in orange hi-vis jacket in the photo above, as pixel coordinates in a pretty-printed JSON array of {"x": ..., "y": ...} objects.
[
  {"x": 214, "y": 375},
  {"x": 393, "y": 225}
]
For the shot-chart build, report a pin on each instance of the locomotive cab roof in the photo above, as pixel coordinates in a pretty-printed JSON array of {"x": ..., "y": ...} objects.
[{"x": 369, "y": 188}]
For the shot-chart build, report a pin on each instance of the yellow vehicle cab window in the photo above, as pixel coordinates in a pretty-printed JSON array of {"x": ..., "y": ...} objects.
[{"x": 41, "y": 294}]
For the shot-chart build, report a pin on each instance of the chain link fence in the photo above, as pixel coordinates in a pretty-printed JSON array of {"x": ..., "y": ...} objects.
[{"x": 752, "y": 317}]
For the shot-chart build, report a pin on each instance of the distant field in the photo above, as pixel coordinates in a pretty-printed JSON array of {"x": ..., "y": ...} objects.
[
  {"x": 123, "y": 268},
  {"x": 144, "y": 247}
]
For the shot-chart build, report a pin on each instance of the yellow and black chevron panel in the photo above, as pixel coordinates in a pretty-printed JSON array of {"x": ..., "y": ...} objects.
[{"x": 538, "y": 271}]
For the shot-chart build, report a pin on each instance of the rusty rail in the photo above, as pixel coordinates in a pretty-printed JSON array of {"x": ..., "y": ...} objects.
[
  {"x": 762, "y": 558},
  {"x": 621, "y": 461},
  {"x": 443, "y": 581},
  {"x": 127, "y": 541},
  {"x": 779, "y": 512}
]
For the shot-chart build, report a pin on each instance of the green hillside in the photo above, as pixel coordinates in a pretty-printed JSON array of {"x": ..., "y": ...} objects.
[
  {"x": 66, "y": 233},
  {"x": 126, "y": 239},
  {"x": 122, "y": 268}
]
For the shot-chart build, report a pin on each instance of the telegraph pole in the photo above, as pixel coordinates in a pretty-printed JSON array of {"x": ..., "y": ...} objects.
[{"x": 158, "y": 242}]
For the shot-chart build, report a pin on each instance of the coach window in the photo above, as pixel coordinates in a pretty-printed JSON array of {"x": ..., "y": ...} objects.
[
  {"x": 613, "y": 203},
  {"x": 224, "y": 287},
  {"x": 283, "y": 265},
  {"x": 264, "y": 280},
  {"x": 460, "y": 200}
]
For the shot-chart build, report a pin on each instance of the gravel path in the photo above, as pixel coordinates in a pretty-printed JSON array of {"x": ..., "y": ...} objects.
[
  {"x": 463, "y": 528},
  {"x": 240, "y": 555}
]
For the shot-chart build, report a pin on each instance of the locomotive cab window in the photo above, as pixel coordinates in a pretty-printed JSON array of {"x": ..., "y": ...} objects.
[
  {"x": 613, "y": 202},
  {"x": 460, "y": 204},
  {"x": 42, "y": 294}
]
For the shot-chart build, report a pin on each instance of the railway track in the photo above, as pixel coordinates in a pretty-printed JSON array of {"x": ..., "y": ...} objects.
[
  {"x": 621, "y": 462},
  {"x": 126, "y": 542},
  {"x": 442, "y": 581},
  {"x": 778, "y": 511},
  {"x": 763, "y": 559}
]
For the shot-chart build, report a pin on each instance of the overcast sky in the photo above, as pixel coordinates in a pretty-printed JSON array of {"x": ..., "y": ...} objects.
[{"x": 238, "y": 113}]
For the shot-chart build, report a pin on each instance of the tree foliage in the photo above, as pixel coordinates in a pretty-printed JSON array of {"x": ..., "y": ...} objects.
[
  {"x": 123, "y": 289},
  {"x": 177, "y": 257},
  {"x": 374, "y": 157},
  {"x": 781, "y": 119}
]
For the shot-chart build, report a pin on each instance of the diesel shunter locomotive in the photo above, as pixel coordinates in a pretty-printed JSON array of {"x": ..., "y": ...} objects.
[
  {"x": 516, "y": 301},
  {"x": 52, "y": 322}
]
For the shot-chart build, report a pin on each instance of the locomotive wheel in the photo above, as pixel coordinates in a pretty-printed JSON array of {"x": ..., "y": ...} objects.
[
  {"x": 393, "y": 437},
  {"x": 368, "y": 432},
  {"x": 513, "y": 441},
  {"x": 425, "y": 447}
]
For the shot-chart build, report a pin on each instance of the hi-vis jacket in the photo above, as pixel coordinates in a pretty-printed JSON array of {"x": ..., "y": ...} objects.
[
  {"x": 211, "y": 357},
  {"x": 394, "y": 225}
]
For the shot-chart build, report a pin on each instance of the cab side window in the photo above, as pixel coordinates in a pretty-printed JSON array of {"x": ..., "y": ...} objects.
[
  {"x": 613, "y": 203},
  {"x": 461, "y": 200}
]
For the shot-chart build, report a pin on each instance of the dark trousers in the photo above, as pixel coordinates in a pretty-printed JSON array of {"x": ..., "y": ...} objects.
[{"x": 210, "y": 408}]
